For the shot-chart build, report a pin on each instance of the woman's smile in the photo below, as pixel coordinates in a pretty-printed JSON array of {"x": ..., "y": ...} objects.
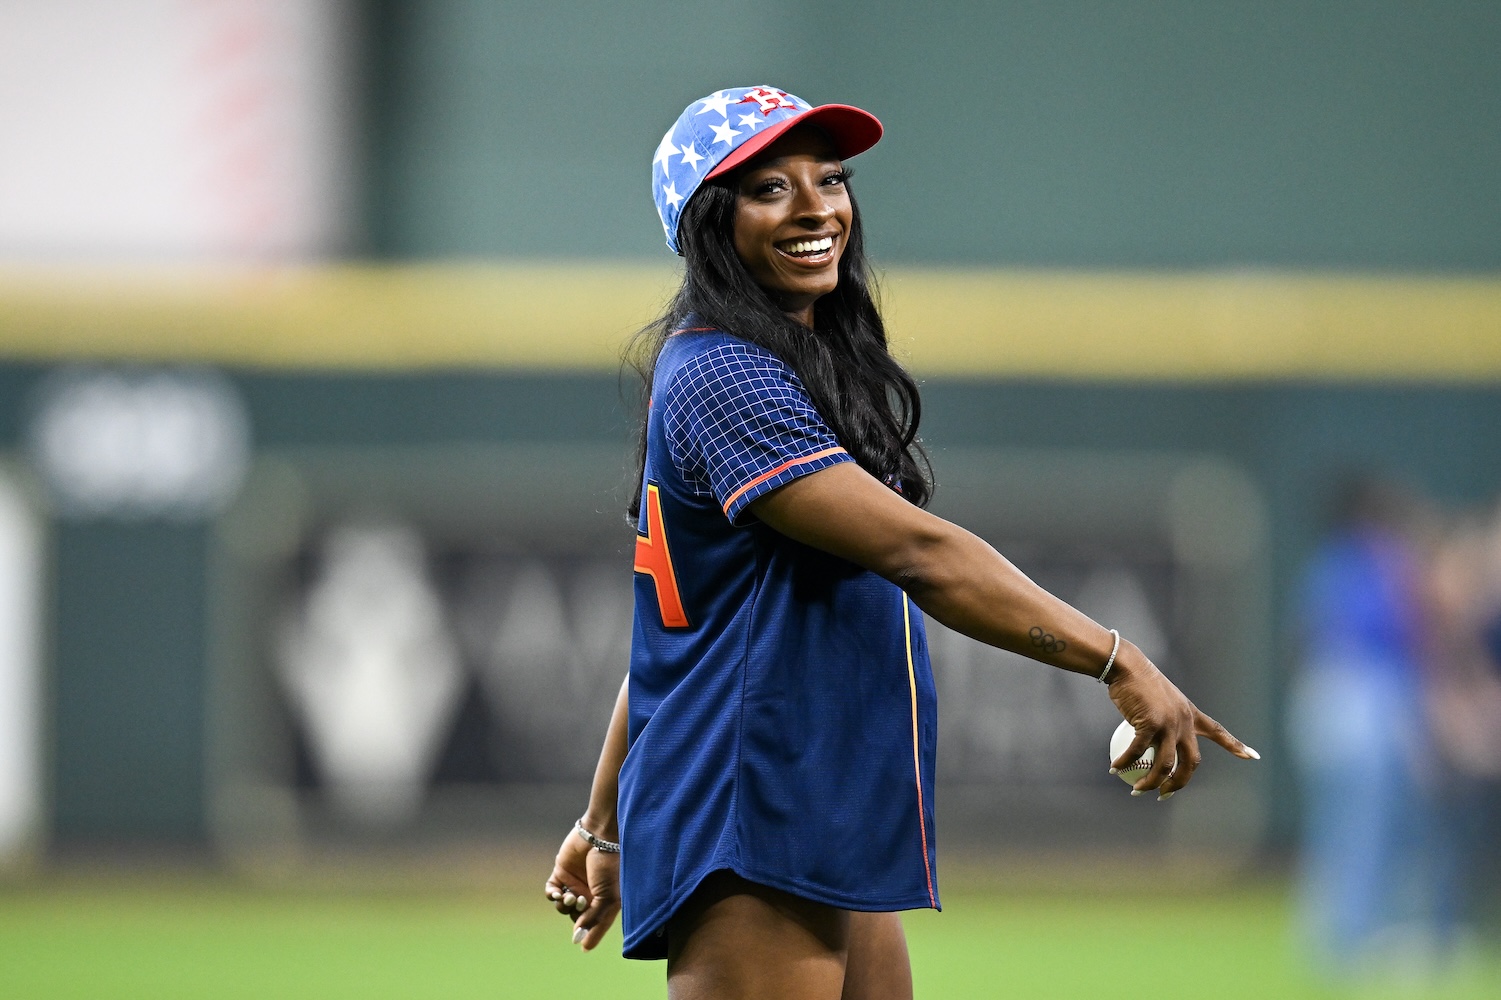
[
  {"x": 808, "y": 250},
  {"x": 792, "y": 219}
]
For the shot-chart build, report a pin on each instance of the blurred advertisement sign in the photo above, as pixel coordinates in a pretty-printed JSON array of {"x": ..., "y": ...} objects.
[
  {"x": 140, "y": 444},
  {"x": 20, "y": 670},
  {"x": 166, "y": 128},
  {"x": 372, "y": 670}
]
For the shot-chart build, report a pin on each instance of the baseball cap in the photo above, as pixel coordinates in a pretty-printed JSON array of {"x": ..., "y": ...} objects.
[{"x": 717, "y": 134}]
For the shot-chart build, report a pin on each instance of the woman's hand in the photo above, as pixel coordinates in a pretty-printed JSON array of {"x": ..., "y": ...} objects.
[
  {"x": 585, "y": 883},
  {"x": 585, "y": 887},
  {"x": 1165, "y": 720}
]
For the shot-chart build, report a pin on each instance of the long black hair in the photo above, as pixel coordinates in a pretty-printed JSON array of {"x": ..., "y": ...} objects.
[{"x": 867, "y": 398}]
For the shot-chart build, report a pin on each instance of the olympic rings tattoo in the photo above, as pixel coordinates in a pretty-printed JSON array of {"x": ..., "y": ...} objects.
[{"x": 1046, "y": 641}]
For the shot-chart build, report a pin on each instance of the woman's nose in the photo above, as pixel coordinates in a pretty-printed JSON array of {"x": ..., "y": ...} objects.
[{"x": 813, "y": 205}]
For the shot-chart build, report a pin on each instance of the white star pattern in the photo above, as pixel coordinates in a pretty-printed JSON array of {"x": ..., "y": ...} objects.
[
  {"x": 724, "y": 133},
  {"x": 708, "y": 143},
  {"x": 717, "y": 103},
  {"x": 665, "y": 149}
]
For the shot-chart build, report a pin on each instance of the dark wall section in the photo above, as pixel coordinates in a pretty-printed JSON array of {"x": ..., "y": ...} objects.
[
  {"x": 128, "y": 648},
  {"x": 1076, "y": 133},
  {"x": 373, "y": 410}
]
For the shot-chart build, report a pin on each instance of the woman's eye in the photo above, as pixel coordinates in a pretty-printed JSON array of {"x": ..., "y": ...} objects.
[
  {"x": 838, "y": 177},
  {"x": 769, "y": 187}
]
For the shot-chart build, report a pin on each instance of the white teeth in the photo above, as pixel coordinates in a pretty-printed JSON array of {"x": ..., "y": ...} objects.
[{"x": 812, "y": 246}]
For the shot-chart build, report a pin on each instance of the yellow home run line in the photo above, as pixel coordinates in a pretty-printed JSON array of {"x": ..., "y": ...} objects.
[{"x": 979, "y": 323}]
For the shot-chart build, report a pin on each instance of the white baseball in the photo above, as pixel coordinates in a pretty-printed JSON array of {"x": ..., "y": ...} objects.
[{"x": 1120, "y": 741}]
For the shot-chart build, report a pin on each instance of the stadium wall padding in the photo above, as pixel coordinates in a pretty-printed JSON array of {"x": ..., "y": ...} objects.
[{"x": 128, "y": 646}]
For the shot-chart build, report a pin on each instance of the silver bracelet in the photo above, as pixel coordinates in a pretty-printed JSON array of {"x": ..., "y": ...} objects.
[
  {"x": 1113, "y": 650},
  {"x": 598, "y": 843}
]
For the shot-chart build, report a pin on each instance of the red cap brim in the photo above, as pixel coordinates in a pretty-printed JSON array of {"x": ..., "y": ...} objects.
[{"x": 852, "y": 130}]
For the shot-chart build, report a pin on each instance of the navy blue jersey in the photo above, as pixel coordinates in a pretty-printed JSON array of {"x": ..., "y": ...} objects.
[{"x": 782, "y": 711}]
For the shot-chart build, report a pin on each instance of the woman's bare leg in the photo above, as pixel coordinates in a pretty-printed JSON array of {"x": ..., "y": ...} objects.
[
  {"x": 876, "y": 965},
  {"x": 736, "y": 940}
]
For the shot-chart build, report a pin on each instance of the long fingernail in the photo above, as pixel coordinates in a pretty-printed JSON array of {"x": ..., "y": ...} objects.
[
  {"x": 568, "y": 898},
  {"x": 1253, "y": 753},
  {"x": 1136, "y": 791},
  {"x": 1115, "y": 770},
  {"x": 578, "y": 935},
  {"x": 1164, "y": 798},
  {"x": 581, "y": 904}
]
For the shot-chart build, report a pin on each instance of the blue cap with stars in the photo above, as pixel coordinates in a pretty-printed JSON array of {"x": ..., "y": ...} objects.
[{"x": 722, "y": 131}]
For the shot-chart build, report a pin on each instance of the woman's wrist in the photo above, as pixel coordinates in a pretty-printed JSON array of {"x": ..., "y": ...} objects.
[
  {"x": 1129, "y": 661},
  {"x": 600, "y": 822}
]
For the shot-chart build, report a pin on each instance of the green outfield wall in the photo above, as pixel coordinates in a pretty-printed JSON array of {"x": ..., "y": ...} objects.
[
  {"x": 129, "y": 636},
  {"x": 1072, "y": 133}
]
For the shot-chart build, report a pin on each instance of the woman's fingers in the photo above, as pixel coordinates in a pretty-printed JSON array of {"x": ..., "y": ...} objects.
[
  {"x": 1205, "y": 726},
  {"x": 566, "y": 898},
  {"x": 603, "y": 904},
  {"x": 1169, "y": 744},
  {"x": 1187, "y": 762},
  {"x": 1163, "y": 760},
  {"x": 592, "y": 925},
  {"x": 573, "y": 902}
]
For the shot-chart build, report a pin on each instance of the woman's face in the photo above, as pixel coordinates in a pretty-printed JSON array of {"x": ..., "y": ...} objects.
[{"x": 792, "y": 218}]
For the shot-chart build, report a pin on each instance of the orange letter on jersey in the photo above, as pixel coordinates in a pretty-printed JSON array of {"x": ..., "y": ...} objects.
[{"x": 653, "y": 559}]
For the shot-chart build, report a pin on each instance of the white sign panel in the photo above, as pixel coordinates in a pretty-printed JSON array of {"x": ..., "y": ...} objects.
[
  {"x": 20, "y": 671},
  {"x": 214, "y": 129}
]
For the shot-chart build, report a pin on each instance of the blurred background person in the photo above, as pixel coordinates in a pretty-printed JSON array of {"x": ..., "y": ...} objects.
[
  {"x": 1357, "y": 726},
  {"x": 1462, "y": 690}
]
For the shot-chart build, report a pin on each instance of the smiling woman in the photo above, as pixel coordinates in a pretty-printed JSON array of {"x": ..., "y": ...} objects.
[
  {"x": 763, "y": 805},
  {"x": 793, "y": 214}
]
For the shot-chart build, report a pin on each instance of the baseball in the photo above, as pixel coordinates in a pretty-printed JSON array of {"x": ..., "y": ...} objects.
[{"x": 1119, "y": 741}]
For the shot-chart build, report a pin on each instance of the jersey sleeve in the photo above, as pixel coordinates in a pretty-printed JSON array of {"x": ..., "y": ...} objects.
[{"x": 740, "y": 425}]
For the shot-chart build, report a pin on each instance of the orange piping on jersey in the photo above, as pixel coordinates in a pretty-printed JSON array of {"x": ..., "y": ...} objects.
[
  {"x": 776, "y": 472},
  {"x": 922, "y": 820},
  {"x": 654, "y": 559}
]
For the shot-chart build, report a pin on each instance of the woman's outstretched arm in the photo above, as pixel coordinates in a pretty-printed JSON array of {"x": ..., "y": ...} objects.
[
  {"x": 964, "y": 583},
  {"x": 585, "y": 882}
]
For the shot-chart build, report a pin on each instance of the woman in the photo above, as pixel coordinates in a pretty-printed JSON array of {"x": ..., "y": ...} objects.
[{"x": 776, "y": 805}]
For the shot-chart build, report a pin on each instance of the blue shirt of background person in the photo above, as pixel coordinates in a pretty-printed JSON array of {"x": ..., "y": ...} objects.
[{"x": 1360, "y": 604}]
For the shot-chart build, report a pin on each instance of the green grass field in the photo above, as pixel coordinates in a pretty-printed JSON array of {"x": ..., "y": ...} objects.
[{"x": 118, "y": 940}]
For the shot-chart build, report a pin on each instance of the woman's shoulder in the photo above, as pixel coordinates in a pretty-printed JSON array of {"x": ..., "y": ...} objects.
[{"x": 708, "y": 354}]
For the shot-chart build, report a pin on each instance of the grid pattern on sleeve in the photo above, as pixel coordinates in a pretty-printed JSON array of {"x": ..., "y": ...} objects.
[{"x": 739, "y": 425}]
